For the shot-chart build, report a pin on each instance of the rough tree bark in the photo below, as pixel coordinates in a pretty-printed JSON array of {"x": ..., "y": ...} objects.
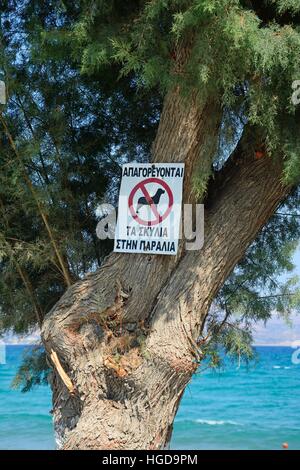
[{"x": 126, "y": 336}]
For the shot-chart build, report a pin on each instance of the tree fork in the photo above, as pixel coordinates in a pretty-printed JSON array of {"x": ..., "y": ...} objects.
[
  {"x": 130, "y": 382},
  {"x": 44, "y": 217}
]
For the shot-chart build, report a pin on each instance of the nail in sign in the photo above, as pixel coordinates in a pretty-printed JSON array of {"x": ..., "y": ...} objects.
[{"x": 149, "y": 208}]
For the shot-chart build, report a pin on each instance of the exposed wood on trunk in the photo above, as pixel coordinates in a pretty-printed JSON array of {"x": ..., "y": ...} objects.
[
  {"x": 23, "y": 275},
  {"x": 64, "y": 377}
]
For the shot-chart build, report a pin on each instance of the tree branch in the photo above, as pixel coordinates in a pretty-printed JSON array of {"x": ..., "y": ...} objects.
[{"x": 41, "y": 211}]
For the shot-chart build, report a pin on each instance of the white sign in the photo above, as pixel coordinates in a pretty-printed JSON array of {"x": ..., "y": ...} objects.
[{"x": 149, "y": 208}]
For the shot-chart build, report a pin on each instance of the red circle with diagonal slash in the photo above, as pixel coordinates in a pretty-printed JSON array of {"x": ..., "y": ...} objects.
[{"x": 158, "y": 217}]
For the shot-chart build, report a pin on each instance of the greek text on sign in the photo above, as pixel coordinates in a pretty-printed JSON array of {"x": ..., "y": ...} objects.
[{"x": 149, "y": 208}]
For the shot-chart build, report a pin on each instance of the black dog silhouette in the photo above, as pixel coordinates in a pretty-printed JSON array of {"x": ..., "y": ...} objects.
[{"x": 142, "y": 201}]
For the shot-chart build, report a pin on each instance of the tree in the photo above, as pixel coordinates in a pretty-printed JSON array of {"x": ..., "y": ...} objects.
[
  {"x": 125, "y": 340},
  {"x": 61, "y": 135}
]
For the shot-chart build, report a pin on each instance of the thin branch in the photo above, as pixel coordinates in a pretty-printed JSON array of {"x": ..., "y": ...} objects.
[
  {"x": 289, "y": 294},
  {"x": 280, "y": 214},
  {"x": 39, "y": 205},
  {"x": 23, "y": 242},
  {"x": 25, "y": 278},
  {"x": 267, "y": 275}
]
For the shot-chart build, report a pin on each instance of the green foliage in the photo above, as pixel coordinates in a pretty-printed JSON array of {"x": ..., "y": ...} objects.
[
  {"x": 284, "y": 6},
  {"x": 34, "y": 370},
  {"x": 85, "y": 83},
  {"x": 261, "y": 284},
  {"x": 71, "y": 132},
  {"x": 208, "y": 46},
  {"x": 233, "y": 341}
]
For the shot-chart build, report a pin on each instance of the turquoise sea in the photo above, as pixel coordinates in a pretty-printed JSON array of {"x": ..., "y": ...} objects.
[{"x": 238, "y": 408}]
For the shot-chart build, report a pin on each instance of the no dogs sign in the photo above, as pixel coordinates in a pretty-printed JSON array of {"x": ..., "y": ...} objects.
[{"x": 149, "y": 208}]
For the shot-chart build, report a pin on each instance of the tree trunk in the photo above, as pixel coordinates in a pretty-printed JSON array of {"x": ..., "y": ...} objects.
[{"x": 126, "y": 336}]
